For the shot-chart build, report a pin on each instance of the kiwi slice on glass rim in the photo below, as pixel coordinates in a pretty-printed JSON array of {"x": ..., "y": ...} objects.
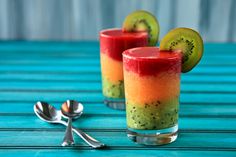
[
  {"x": 141, "y": 20},
  {"x": 189, "y": 42}
]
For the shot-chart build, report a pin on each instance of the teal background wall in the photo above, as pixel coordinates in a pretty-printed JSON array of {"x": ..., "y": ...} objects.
[{"x": 82, "y": 19}]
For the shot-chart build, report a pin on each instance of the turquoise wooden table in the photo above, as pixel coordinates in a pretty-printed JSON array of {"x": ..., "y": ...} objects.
[{"x": 56, "y": 71}]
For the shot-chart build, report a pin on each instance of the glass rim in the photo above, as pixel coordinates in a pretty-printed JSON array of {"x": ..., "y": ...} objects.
[
  {"x": 103, "y": 33},
  {"x": 176, "y": 54}
]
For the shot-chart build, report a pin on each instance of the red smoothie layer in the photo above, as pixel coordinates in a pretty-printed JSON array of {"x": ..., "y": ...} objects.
[
  {"x": 150, "y": 60},
  {"x": 114, "y": 42}
]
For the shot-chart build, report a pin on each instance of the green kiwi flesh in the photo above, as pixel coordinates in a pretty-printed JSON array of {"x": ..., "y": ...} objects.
[
  {"x": 141, "y": 20},
  {"x": 189, "y": 42}
]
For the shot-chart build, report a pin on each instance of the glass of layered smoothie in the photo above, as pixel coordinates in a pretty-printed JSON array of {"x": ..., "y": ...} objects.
[
  {"x": 112, "y": 43},
  {"x": 152, "y": 89}
]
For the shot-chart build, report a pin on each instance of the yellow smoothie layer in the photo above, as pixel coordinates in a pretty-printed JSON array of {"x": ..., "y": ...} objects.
[
  {"x": 150, "y": 88},
  {"x": 111, "y": 69}
]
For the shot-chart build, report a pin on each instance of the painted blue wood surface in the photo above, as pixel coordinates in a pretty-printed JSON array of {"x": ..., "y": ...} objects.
[
  {"x": 52, "y": 71},
  {"x": 116, "y": 139}
]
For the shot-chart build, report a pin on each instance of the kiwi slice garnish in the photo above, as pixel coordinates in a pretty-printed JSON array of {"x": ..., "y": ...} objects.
[
  {"x": 188, "y": 41},
  {"x": 141, "y": 20}
]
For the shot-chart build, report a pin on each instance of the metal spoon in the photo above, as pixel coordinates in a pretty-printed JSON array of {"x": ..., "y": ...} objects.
[
  {"x": 49, "y": 114},
  {"x": 70, "y": 109}
]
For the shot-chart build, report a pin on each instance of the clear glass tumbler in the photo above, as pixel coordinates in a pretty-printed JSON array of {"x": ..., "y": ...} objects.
[
  {"x": 152, "y": 89},
  {"x": 112, "y": 43}
]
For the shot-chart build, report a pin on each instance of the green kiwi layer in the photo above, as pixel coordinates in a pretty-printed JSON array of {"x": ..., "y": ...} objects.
[
  {"x": 113, "y": 90},
  {"x": 143, "y": 21},
  {"x": 152, "y": 116},
  {"x": 189, "y": 42}
]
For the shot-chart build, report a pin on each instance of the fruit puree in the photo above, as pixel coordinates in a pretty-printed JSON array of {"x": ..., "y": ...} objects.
[
  {"x": 152, "y": 87},
  {"x": 112, "y": 43}
]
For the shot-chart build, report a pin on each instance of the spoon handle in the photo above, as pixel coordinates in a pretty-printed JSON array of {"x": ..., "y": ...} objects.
[
  {"x": 68, "y": 138},
  {"x": 88, "y": 139}
]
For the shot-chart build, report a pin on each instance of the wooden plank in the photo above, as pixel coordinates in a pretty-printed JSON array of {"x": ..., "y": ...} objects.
[
  {"x": 80, "y": 56},
  {"x": 96, "y": 69},
  {"x": 52, "y": 77},
  {"x": 84, "y": 53},
  {"x": 213, "y": 48},
  {"x": 57, "y": 68},
  {"x": 38, "y": 55},
  {"x": 42, "y": 46},
  {"x": 98, "y": 97},
  {"x": 79, "y": 65},
  {"x": 37, "y": 77},
  {"x": 214, "y": 110},
  {"x": 78, "y": 87},
  {"x": 93, "y": 61},
  {"x": 45, "y": 47},
  {"x": 46, "y": 62},
  {"x": 187, "y": 140},
  {"x": 112, "y": 121},
  {"x": 88, "y": 50},
  {"x": 209, "y": 79},
  {"x": 84, "y": 62},
  {"x": 40, "y": 152}
]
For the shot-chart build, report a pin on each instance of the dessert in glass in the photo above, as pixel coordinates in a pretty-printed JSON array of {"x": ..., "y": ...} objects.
[
  {"x": 151, "y": 74},
  {"x": 112, "y": 43},
  {"x": 152, "y": 89}
]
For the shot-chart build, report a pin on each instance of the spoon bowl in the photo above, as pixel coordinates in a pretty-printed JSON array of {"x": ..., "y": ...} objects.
[
  {"x": 72, "y": 109},
  {"x": 46, "y": 112}
]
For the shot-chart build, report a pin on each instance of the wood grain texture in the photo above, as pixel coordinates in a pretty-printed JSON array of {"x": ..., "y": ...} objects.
[
  {"x": 51, "y": 152},
  {"x": 56, "y": 71}
]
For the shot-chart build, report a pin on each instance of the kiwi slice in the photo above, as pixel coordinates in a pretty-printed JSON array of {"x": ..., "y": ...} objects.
[
  {"x": 186, "y": 40},
  {"x": 141, "y": 20}
]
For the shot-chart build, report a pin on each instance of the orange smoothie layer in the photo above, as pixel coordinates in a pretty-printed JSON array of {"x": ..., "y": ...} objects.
[
  {"x": 146, "y": 89},
  {"x": 111, "y": 69}
]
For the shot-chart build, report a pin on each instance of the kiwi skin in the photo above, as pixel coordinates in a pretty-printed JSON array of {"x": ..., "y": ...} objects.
[
  {"x": 142, "y": 20},
  {"x": 189, "y": 42}
]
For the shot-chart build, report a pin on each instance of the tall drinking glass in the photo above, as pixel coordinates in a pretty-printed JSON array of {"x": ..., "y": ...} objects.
[
  {"x": 112, "y": 43},
  {"x": 152, "y": 89}
]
